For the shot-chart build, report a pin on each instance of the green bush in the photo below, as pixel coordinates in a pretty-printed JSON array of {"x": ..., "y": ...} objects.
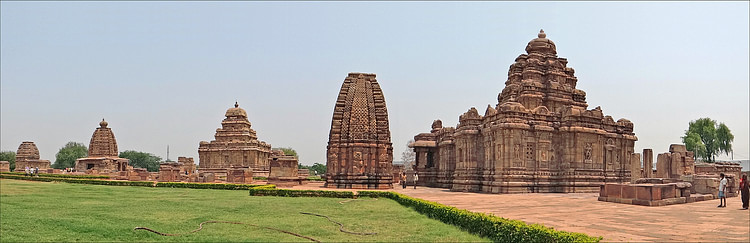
[
  {"x": 315, "y": 178},
  {"x": 208, "y": 185},
  {"x": 260, "y": 178},
  {"x": 272, "y": 191},
  {"x": 78, "y": 181},
  {"x": 490, "y": 226},
  {"x": 61, "y": 175}
]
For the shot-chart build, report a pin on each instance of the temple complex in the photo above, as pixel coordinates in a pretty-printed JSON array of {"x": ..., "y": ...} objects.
[
  {"x": 28, "y": 155},
  {"x": 539, "y": 137},
  {"x": 103, "y": 154},
  {"x": 359, "y": 152},
  {"x": 236, "y": 145}
]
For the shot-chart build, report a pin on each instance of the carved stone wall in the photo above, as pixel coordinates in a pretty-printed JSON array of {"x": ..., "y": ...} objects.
[
  {"x": 28, "y": 155},
  {"x": 540, "y": 137},
  {"x": 236, "y": 145},
  {"x": 103, "y": 143},
  {"x": 103, "y": 154},
  {"x": 359, "y": 152}
]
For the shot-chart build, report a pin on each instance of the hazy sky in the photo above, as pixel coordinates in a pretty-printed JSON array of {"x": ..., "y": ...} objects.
[{"x": 164, "y": 73}]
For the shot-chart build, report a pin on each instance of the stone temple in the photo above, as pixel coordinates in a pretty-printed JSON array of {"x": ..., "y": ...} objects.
[
  {"x": 360, "y": 153},
  {"x": 236, "y": 145},
  {"x": 103, "y": 154},
  {"x": 540, "y": 137},
  {"x": 28, "y": 155}
]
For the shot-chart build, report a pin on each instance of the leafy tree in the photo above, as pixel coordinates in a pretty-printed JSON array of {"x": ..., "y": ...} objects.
[
  {"x": 9, "y": 156},
  {"x": 288, "y": 151},
  {"x": 67, "y": 155},
  {"x": 318, "y": 168},
  {"x": 706, "y": 139},
  {"x": 408, "y": 156},
  {"x": 142, "y": 160}
]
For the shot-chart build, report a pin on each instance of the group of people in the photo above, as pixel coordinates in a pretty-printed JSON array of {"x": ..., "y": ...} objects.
[
  {"x": 744, "y": 190},
  {"x": 30, "y": 171},
  {"x": 403, "y": 180}
]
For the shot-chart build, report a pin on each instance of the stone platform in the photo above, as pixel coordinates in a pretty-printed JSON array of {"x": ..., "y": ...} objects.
[{"x": 581, "y": 212}]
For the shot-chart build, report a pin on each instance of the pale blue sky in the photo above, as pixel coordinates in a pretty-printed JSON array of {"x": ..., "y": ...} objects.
[{"x": 164, "y": 73}]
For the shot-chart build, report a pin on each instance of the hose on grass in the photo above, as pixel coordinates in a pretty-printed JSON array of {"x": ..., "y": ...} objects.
[{"x": 341, "y": 226}]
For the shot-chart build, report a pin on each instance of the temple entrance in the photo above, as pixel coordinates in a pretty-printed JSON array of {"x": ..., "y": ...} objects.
[{"x": 89, "y": 166}]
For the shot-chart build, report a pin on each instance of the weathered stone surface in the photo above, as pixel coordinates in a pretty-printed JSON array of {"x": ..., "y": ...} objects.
[
  {"x": 27, "y": 155},
  {"x": 4, "y": 166},
  {"x": 676, "y": 163},
  {"x": 240, "y": 175},
  {"x": 236, "y": 145},
  {"x": 284, "y": 170},
  {"x": 103, "y": 155},
  {"x": 359, "y": 152},
  {"x": 648, "y": 163},
  {"x": 540, "y": 137},
  {"x": 187, "y": 165},
  {"x": 169, "y": 172}
]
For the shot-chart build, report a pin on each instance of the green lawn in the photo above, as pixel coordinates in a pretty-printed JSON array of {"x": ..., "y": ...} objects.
[{"x": 47, "y": 211}]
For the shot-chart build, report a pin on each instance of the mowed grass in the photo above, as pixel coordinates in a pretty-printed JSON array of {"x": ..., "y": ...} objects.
[{"x": 47, "y": 211}]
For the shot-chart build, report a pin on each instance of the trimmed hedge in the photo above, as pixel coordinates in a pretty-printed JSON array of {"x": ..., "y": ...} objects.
[
  {"x": 137, "y": 183},
  {"x": 60, "y": 175},
  {"x": 79, "y": 181},
  {"x": 272, "y": 191},
  {"x": 490, "y": 226},
  {"x": 209, "y": 185}
]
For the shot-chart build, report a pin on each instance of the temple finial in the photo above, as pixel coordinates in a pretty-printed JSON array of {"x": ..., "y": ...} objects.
[
  {"x": 236, "y": 104},
  {"x": 542, "y": 34}
]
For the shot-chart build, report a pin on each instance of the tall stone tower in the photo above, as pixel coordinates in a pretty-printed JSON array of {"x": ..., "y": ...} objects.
[
  {"x": 103, "y": 153},
  {"x": 103, "y": 143},
  {"x": 360, "y": 153}
]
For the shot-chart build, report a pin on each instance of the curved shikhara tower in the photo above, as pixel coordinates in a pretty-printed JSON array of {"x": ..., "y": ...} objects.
[
  {"x": 540, "y": 136},
  {"x": 360, "y": 153}
]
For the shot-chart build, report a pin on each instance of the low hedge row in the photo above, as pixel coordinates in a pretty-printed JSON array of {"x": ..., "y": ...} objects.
[
  {"x": 79, "y": 181},
  {"x": 210, "y": 185},
  {"x": 272, "y": 191},
  {"x": 490, "y": 226},
  {"x": 137, "y": 183},
  {"x": 61, "y": 175}
]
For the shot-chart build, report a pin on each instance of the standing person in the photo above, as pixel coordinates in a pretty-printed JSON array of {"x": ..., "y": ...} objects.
[
  {"x": 26, "y": 171},
  {"x": 722, "y": 188},
  {"x": 745, "y": 190},
  {"x": 36, "y": 171},
  {"x": 416, "y": 178},
  {"x": 403, "y": 180}
]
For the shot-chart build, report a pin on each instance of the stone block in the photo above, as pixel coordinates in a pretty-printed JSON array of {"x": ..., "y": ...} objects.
[
  {"x": 628, "y": 191},
  {"x": 643, "y": 193},
  {"x": 614, "y": 190}
]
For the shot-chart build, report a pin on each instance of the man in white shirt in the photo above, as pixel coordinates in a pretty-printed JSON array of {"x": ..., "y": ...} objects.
[{"x": 722, "y": 188}]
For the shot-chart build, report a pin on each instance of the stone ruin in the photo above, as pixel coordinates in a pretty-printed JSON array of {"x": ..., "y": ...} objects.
[
  {"x": 103, "y": 155},
  {"x": 359, "y": 152},
  {"x": 28, "y": 155},
  {"x": 4, "y": 166},
  {"x": 169, "y": 172},
  {"x": 239, "y": 175},
  {"x": 678, "y": 179},
  {"x": 540, "y": 137},
  {"x": 236, "y": 145},
  {"x": 187, "y": 165},
  {"x": 284, "y": 170}
]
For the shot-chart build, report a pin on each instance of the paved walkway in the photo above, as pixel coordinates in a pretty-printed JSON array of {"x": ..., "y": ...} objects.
[{"x": 582, "y": 212}]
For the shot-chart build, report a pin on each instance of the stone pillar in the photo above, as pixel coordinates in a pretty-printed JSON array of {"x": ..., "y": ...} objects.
[
  {"x": 648, "y": 163},
  {"x": 635, "y": 167}
]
